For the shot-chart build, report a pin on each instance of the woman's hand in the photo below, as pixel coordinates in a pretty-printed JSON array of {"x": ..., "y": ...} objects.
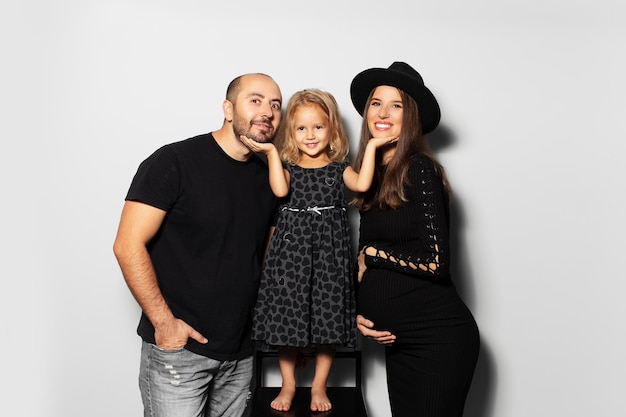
[
  {"x": 378, "y": 142},
  {"x": 366, "y": 327}
]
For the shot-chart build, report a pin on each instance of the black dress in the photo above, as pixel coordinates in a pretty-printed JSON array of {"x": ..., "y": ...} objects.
[
  {"x": 431, "y": 364},
  {"x": 306, "y": 296}
]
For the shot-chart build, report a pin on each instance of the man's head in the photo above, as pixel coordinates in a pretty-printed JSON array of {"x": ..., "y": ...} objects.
[{"x": 253, "y": 107}]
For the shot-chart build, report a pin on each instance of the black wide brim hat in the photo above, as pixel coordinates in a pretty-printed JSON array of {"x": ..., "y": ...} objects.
[{"x": 400, "y": 75}]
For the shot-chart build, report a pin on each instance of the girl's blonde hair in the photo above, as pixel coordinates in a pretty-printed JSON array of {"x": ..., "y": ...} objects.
[{"x": 339, "y": 144}]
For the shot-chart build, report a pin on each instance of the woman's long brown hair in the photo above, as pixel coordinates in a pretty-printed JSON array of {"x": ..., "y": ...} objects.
[{"x": 387, "y": 190}]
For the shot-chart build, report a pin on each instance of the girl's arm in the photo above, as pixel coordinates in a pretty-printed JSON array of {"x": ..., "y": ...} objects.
[
  {"x": 279, "y": 177},
  {"x": 361, "y": 181}
]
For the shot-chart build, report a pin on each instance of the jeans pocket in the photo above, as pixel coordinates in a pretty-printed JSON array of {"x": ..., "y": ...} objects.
[{"x": 165, "y": 351}]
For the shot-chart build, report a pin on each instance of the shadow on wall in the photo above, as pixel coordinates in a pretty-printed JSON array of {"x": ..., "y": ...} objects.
[
  {"x": 482, "y": 392},
  {"x": 481, "y": 396}
]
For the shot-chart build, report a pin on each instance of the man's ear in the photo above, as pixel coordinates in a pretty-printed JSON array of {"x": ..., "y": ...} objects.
[{"x": 228, "y": 108}]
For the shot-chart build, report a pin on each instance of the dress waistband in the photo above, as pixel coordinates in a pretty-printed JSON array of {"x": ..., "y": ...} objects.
[{"x": 316, "y": 209}]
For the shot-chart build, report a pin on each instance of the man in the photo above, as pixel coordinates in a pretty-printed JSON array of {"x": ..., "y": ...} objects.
[{"x": 190, "y": 244}]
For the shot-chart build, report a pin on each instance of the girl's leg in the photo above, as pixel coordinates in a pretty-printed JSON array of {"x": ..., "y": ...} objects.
[
  {"x": 287, "y": 363},
  {"x": 323, "y": 361}
]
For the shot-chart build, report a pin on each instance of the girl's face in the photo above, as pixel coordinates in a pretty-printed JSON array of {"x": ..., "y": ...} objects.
[
  {"x": 311, "y": 132},
  {"x": 384, "y": 112}
]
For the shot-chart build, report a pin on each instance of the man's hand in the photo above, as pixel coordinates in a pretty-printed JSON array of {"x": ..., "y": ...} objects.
[
  {"x": 366, "y": 327},
  {"x": 174, "y": 334}
]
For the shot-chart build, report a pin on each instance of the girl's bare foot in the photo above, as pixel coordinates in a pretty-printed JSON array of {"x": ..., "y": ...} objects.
[
  {"x": 283, "y": 401},
  {"x": 320, "y": 401}
]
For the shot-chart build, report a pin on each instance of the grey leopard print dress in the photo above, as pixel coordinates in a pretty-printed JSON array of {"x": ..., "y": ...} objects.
[{"x": 306, "y": 294}]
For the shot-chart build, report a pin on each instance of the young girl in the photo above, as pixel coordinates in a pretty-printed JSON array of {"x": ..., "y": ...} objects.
[{"x": 306, "y": 296}]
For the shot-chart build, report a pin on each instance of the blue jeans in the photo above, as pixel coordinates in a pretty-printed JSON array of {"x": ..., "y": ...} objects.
[{"x": 179, "y": 383}]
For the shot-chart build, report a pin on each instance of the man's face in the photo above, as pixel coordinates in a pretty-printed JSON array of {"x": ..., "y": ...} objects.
[{"x": 257, "y": 108}]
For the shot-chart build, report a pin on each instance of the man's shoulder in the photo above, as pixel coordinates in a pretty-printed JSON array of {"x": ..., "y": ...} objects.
[
  {"x": 187, "y": 147},
  {"x": 193, "y": 141}
]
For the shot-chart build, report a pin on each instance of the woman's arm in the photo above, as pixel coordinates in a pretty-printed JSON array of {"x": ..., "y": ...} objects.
[
  {"x": 426, "y": 254},
  {"x": 406, "y": 262}
]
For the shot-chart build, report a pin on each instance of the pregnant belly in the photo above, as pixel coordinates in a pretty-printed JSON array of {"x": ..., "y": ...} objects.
[
  {"x": 410, "y": 306},
  {"x": 379, "y": 301}
]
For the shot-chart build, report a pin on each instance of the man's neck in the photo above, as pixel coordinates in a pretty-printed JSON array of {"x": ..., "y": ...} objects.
[{"x": 233, "y": 147}]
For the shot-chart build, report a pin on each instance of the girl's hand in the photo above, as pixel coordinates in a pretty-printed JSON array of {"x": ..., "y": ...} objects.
[
  {"x": 378, "y": 142},
  {"x": 265, "y": 148}
]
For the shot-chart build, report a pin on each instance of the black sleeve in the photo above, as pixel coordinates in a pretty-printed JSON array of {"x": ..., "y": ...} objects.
[
  {"x": 428, "y": 253},
  {"x": 157, "y": 181}
]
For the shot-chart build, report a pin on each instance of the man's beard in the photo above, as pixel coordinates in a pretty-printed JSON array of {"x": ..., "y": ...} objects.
[{"x": 243, "y": 128}]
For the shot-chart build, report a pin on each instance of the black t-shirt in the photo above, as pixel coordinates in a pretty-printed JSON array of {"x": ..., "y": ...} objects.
[{"x": 208, "y": 252}]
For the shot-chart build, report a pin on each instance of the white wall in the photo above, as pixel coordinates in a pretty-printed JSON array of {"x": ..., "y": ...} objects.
[{"x": 532, "y": 137}]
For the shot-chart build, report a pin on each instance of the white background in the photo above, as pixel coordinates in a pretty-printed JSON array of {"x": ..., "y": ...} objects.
[{"x": 532, "y": 136}]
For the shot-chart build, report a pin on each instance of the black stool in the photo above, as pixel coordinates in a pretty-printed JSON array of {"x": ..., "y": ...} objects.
[{"x": 347, "y": 401}]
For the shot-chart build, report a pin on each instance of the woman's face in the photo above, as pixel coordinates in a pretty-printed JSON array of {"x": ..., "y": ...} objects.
[{"x": 384, "y": 112}]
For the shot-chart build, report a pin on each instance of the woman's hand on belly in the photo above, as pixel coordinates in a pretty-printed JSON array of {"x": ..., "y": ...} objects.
[{"x": 366, "y": 327}]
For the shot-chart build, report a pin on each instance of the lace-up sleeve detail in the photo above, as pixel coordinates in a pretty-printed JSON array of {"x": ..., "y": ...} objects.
[
  {"x": 426, "y": 216},
  {"x": 386, "y": 258}
]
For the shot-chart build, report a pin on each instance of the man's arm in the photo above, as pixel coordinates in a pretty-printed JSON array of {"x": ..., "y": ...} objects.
[{"x": 138, "y": 224}]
